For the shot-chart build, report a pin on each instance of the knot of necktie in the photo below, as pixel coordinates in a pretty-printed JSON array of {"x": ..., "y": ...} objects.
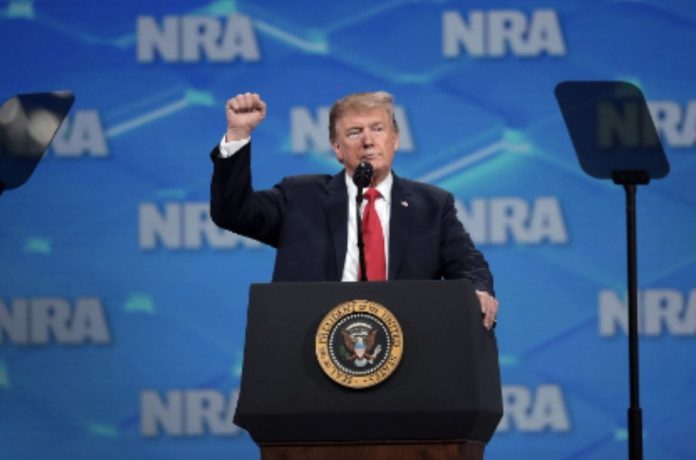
[{"x": 372, "y": 194}]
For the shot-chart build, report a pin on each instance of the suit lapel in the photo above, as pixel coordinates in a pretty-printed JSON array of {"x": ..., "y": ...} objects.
[
  {"x": 399, "y": 225},
  {"x": 336, "y": 205}
]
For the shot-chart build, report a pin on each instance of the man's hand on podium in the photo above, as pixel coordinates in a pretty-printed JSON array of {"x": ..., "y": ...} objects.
[{"x": 489, "y": 309}]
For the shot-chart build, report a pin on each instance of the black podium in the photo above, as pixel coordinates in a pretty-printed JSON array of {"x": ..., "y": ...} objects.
[{"x": 442, "y": 401}]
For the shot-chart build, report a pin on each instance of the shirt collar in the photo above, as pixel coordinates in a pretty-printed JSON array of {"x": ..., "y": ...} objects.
[{"x": 384, "y": 187}]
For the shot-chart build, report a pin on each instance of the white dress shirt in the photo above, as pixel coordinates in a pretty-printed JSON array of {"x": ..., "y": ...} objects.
[{"x": 383, "y": 208}]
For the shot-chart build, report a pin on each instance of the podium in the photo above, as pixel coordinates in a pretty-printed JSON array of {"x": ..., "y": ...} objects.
[{"x": 443, "y": 400}]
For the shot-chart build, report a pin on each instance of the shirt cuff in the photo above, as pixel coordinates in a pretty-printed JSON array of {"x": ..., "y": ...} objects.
[{"x": 227, "y": 149}]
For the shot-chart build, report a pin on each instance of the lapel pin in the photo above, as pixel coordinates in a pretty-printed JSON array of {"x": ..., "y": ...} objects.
[{"x": 404, "y": 204}]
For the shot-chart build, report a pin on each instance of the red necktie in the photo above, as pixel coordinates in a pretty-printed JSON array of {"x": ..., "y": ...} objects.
[{"x": 375, "y": 259}]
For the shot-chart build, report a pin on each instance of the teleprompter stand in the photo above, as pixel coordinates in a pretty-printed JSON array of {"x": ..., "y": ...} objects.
[
  {"x": 443, "y": 400},
  {"x": 615, "y": 138},
  {"x": 28, "y": 123}
]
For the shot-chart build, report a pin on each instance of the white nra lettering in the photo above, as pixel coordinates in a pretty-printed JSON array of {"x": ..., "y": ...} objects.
[
  {"x": 534, "y": 410},
  {"x": 80, "y": 134},
  {"x": 310, "y": 133},
  {"x": 45, "y": 320},
  {"x": 624, "y": 125},
  {"x": 188, "y": 413},
  {"x": 497, "y": 33},
  {"x": 184, "y": 226},
  {"x": 195, "y": 38},
  {"x": 307, "y": 132},
  {"x": 512, "y": 219},
  {"x": 676, "y": 124},
  {"x": 660, "y": 311}
]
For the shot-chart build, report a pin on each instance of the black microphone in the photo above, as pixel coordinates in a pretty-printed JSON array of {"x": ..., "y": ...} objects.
[{"x": 363, "y": 175}]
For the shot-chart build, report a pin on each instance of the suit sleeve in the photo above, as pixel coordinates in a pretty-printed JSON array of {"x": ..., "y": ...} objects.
[
  {"x": 459, "y": 257},
  {"x": 236, "y": 206}
]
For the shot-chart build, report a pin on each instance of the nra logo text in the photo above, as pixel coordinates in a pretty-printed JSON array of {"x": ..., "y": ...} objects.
[
  {"x": 660, "y": 312},
  {"x": 196, "y": 38},
  {"x": 499, "y": 33},
  {"x": 49, "y": 320}
]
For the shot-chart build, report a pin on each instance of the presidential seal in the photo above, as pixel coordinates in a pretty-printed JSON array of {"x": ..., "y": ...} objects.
[{"x": 359, "y": 344}]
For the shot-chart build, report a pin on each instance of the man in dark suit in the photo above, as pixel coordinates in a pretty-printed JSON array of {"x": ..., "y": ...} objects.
[{"x": 311, "y": 220}]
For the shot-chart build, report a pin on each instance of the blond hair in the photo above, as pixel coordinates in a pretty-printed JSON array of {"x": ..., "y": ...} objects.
[{"x": 358, "y": 103}]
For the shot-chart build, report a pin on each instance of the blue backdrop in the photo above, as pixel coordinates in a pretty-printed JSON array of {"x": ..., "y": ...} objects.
[{"x": 122, "y": 307}]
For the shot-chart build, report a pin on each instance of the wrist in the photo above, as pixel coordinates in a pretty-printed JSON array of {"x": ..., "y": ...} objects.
[{"x": 237, "y": 134}]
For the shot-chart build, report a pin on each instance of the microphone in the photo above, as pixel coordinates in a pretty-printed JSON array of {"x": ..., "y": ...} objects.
[{"x": 363, "y": 175}]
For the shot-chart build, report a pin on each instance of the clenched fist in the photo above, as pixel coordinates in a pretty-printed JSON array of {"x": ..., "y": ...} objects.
[{"x": 244, "y": 113}]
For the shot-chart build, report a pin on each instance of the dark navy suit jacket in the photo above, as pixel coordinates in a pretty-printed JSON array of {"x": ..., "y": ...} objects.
[{"x": 306, "y": 219}]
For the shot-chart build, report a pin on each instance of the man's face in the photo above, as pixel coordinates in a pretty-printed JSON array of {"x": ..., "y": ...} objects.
[{"x": 366, "y": 136}]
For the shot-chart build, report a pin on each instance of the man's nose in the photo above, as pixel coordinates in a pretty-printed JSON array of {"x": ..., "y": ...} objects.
[{"x": 367, "y": 139}]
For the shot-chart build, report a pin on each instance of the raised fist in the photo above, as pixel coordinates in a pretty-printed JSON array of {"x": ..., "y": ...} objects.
[{"x": 244, "y": 113}]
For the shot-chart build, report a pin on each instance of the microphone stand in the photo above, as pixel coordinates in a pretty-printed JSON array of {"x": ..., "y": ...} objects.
[
  {"x": 361, "y": 178},
  {"x": 361, "y": 242}
]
